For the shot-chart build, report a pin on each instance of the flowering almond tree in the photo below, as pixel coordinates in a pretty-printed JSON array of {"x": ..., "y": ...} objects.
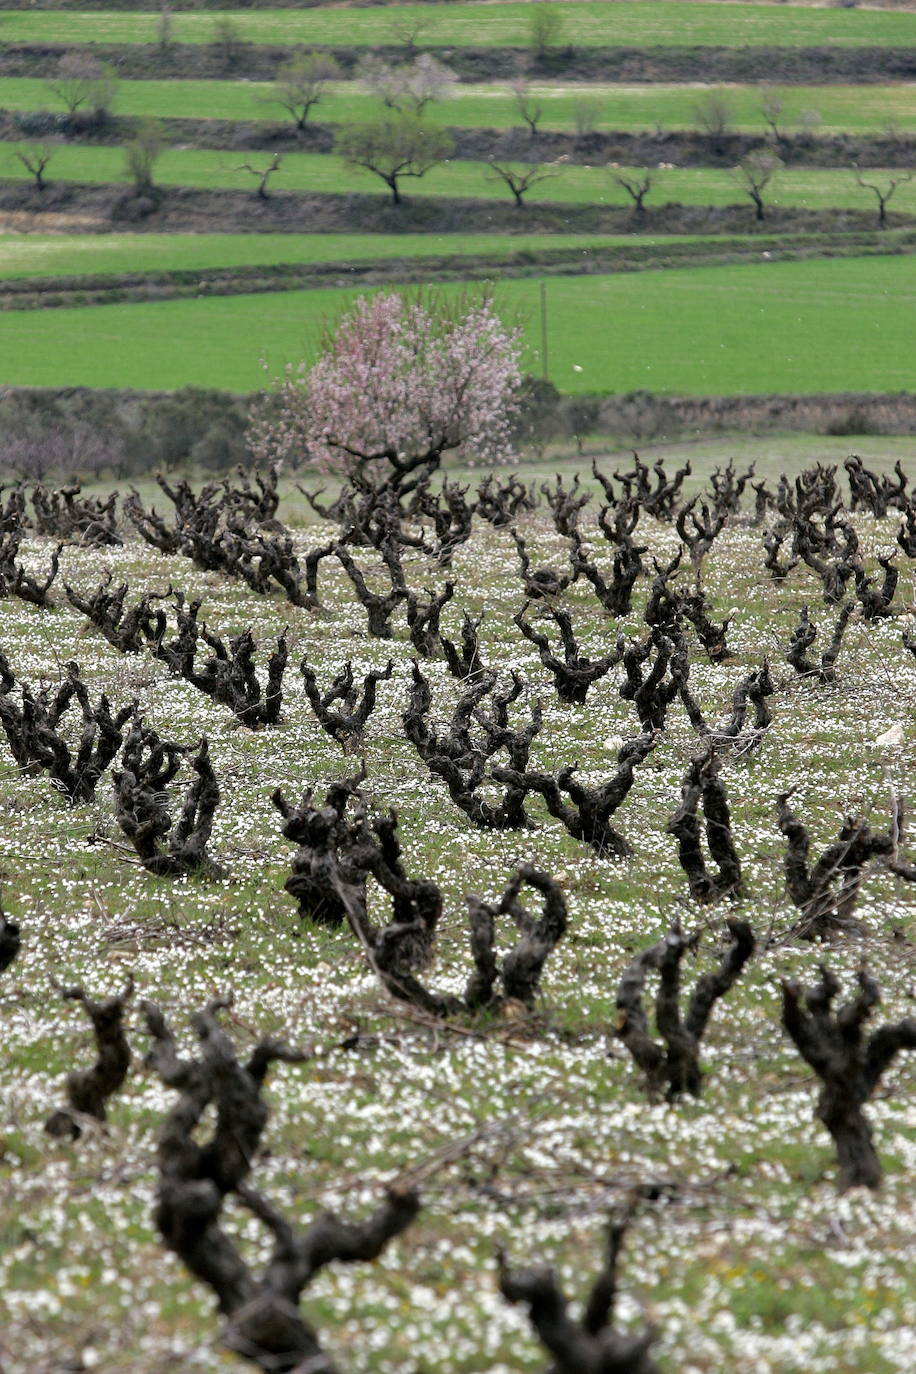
[{"x": 400, "y": 382}]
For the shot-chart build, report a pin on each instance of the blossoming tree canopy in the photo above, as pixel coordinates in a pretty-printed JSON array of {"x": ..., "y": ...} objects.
[{"x": 400, "y": 382}]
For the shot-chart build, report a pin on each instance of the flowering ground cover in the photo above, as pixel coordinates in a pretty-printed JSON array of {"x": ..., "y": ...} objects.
[{"x": 527, "y": 1129}]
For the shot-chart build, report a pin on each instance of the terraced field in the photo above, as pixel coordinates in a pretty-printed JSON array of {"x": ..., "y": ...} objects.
[
  {"x": 577, "y": 211},
  {"x": 795, "y": 188},
  {"x": 838, "y": 109},
  {"x": 597, "y": 23},
  {"x": 845, "y": 326},
  {"x": 33, "y": 255}
]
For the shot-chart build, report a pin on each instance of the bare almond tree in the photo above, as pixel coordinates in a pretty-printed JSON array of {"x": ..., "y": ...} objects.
[
  {"x": 142, "y": 153},
  {"x": 713, "y": 114},
  {"x": 637, "y": 186},
  {"x": 883, "y": 192},
  {"x": 754, "y": 173},
  {"x": 521, "y": 177},
  {"x": 529, "y": 105},
  {"x": 406, "y": 28},
  {"x": 586, "y": 113},
  {"x": 409, "y": 88},
  {"x": 81, "y": 81},
  {"x": 545, "y": 29},
  {"x": 301, "y": 84},
  {"x": 35, "y": 158},
  {"x": 263, "y": 174},
  {"x": 772, "y": 107}
]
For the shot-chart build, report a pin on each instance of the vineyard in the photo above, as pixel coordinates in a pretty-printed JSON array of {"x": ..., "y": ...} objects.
[
  {"x": 457, "y": 682},
  {"x": 700, "y": 753}
]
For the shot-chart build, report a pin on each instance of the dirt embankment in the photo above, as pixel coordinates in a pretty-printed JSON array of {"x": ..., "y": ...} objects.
[
  {"x": 100, "y": 209},
  {"x": 679, "y": 149},
  {"x": 712, "y": 65}
]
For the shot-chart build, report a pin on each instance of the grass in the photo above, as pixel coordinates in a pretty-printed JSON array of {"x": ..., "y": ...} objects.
[
  {"x": 747, "y": 1260},
  {"x": 775, "y": 327},
  {"x": 795, "y": 188},
  {"x": 598, "y": 23},
  {"x": 850, "y": 109},
  {"x": 53, "y": 255}
]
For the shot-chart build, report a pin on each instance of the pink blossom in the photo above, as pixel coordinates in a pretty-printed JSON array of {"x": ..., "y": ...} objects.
[{"x": 403, "y": 377}]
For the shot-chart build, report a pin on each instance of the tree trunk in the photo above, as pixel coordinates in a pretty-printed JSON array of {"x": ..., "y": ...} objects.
[{"x": 859, "y": 1165}]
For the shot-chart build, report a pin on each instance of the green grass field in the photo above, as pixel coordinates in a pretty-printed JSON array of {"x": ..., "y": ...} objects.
[
  {"x": 645, "y": 23},
  {"x": 800, "y": 188},
  {"x": 56, "y": 255},
  {"x": 777, "y": 327},
  {"x": 853, "y": 109}
]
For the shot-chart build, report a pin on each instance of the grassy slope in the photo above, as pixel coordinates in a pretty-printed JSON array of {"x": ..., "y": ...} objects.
[
  {"x": 747, "y": 1261},
  {"x": 596, "y": 23},
  {"x": 777, "y": 327},
  {"x": 803, "y": 188},
  {"x": 50, "y": 255},
  {"x": 857, "y": 109}
]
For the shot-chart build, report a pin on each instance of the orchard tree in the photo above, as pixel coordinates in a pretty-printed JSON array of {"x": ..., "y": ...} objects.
[
  {"x": 406, "y": 28},
  {"x": 142, "y": 153},
  {"x": 400, "y": 382},
  {"x": 773, "y": 109},
  {"x": 520, "y": 178},
  {"x": 529, "y": 105},
  {"x": 263, "y": 174},
  {"x": 408, "y": 88},
  {"x": 754, "y": 173},
  {"x": 301, "y": 84},
  {"x": 713, "y": 114},
  {"x": 35, "y": 158},
  {"x": 637, "y": 186},
  {"x": 545, "y": 29},
  {"x": 882, "y": 191},
  {"x": 393, "y": 148},
  {"x": 83, "y": 82}
]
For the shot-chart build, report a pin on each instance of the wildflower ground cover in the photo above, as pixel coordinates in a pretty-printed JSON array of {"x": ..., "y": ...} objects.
[{"x": 741, "y": 1252}]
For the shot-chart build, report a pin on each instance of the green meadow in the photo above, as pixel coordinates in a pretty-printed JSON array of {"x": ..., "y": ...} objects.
[
  {"x": 800, "y": 188},
  {"x": 598, "y": 23},
  {"x": 856, "y": 109},
  {"x": 56, "y": 255},
  {"x": 774, "y": 327}
]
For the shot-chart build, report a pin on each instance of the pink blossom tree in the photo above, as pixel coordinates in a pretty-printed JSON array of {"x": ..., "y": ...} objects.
[{"x": 400, "y": 382}]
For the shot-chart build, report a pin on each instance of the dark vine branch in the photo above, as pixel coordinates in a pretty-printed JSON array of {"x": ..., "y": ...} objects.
[
  {"x": 673, "y": 1067},
  {"x": 849, "y": 1064},
  {"x": 88, "y": 1090},
  {"x": 197, "y": 1176}
]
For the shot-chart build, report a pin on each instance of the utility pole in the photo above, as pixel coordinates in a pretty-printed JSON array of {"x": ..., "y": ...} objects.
[{"x": 544, "y": 359}]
